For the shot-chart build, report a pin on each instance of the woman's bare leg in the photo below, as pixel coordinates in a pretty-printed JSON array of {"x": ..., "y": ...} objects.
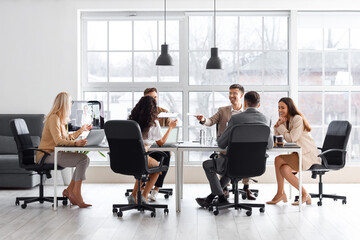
[
  {"x": 149, "y": 184},
  {"x": 279, "y": 177},
  {"x": 287, "y": 172}
]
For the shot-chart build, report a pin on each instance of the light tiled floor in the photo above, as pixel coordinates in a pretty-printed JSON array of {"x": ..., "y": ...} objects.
[{"x": 283, "y": 221}]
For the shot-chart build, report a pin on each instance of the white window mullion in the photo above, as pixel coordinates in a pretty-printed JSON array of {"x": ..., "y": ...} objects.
[{"x": 293, "y": 56}]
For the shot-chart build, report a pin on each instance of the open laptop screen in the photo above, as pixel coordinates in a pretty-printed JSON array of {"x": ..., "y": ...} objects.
[{"x": 173, "y": 136}]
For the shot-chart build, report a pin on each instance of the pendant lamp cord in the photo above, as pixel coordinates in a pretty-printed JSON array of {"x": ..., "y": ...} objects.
[
  {"x": 214, "y": 23},
  {"x": 165, "y": 20}
]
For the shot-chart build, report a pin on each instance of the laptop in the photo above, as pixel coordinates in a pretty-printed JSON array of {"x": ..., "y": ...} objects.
[
  {"x": 95, "y": 137},
  {"x": 172, "y": 139}
]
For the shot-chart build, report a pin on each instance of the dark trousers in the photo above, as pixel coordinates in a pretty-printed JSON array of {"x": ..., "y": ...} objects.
[
  {"x": 213, "y": 167},
  {"x": 160, "y": 181}
]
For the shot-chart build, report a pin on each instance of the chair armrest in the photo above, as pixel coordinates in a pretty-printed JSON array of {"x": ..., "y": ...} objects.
[
  {"x": 37, "y": 149},
  {"x": 163, "y": 156},
  {"x": 46, "y": 154},
  {"x": 332, "y": 150},
  {"x": 323, "y": 158}
]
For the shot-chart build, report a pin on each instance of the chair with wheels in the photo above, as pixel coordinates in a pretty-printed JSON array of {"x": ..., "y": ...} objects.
[
  {"x": 333, "y": 157},
  {"x": 246, "y": 158},
  {"x": 26, "y": 152},
  {"x": 243, "y": 193},
  {"x": 166, "y": 191},
  {"x": 128, "y": 157}
]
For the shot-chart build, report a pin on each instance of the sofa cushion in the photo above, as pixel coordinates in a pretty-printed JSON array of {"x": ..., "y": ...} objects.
[
  {"x": 8, "y": 145},
  {"x": 9, "y": 163},
  {"x": 34, "y": 122}
]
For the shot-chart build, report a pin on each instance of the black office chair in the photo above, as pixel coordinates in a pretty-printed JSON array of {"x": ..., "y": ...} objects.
[
  {"x": 166, "y": 191},
  {"x": 26, "y": 152},
  {"x": 128, "y": 157},
  {"x": 333, "y": 156},
  {"x": 232, "y": 190},
  {"x": 246, "y": 158}
]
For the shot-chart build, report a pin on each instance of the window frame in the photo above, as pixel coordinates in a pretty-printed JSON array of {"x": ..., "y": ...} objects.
[{"x": 183, "y": 85}]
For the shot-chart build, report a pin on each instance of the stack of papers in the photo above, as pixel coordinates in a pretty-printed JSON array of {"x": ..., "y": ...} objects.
[{"x": 167, "y": 115}]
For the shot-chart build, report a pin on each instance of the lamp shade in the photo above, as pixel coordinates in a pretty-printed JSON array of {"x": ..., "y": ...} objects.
[
  {"x": 214, "y": 61},
  {"x": 164, "y": 59}
]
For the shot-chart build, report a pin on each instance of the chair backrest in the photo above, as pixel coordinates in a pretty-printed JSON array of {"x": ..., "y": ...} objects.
[
  {"x": 23, "y": 141},
  {"x": 127, "y": 151},
  {"x": 246, "y": 152},
  {"x": 337, "y": 137}
]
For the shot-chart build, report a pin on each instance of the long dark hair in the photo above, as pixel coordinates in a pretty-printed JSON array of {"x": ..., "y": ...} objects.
[
  {"x": 145, "y": 113},
  {"x": 293, "y": 110}
]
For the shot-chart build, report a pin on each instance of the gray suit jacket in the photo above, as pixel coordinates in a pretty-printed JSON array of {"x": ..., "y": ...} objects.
[{"x": 250, "y": 115}]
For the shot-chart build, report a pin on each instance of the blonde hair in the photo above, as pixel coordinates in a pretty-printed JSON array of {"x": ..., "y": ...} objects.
[{"x": 61, "y": 107}]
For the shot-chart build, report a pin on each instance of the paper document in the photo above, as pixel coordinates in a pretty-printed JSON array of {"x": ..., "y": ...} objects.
[
  {"x": 192, "y": 114},
  {"x": 167, "y": 115},
  {"x": 289, "y": 144}
]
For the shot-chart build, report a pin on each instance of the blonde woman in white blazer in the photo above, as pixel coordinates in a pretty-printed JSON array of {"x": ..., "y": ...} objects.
[{"x": 295, "y": 129}]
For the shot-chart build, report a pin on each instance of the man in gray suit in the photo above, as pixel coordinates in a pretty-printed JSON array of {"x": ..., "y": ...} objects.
[{"x": 214, "y": 166}]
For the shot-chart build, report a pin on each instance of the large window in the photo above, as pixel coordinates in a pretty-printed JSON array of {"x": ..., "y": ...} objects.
[
  {"x": 329, "y": 72},
  {"x": 119, "y": 54}
]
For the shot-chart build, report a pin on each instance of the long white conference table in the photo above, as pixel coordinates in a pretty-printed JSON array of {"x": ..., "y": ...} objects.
[{"x": 179, "y": 150}]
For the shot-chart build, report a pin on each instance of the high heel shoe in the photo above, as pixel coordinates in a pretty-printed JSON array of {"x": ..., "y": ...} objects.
[
  {"x": 75, "y": 201},
  {"x": 275, "y": 201},
  {"x": 307, "y": 199},
  {"x": 66, "y": 193}
]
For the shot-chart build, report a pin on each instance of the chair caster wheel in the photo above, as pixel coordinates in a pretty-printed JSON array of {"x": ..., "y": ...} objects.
[
  {"x": 166, "y": 196},
  {"x": 17, "y": 203},
  {"x": 248, "y": 213},
  {"x": 335, "y": 199},
  {"x": 256, "y": 194},
  {"x": 344, "y": 201},
  {"x": 243, "y": 196},
  {"x": 296, "y": 198},
  {"x": 127, "y": 194},
  {"x": 166, "y": 211},
  {"x": 23, "y": 206},
  {"x": 319, "y": 203},
  {"x": 211, "y": 208},
  {"x": 65, "y": 202},
  {"x": 120, "y": 213},
  {"x": 216, "y": 212},
  {"x": 262, "y": 210},
  {"x": 153, "y": 214},
  {"x": 170, "y": 193},
  {"x": 115, "y": 210},
  {"x": 41, "y": 201}
]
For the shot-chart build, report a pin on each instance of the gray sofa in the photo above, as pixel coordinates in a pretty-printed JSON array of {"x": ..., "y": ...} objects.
[{"x": 11, "y": 175}]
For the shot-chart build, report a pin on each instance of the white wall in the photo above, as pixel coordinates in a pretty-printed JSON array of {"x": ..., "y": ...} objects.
[{"x": 38, "y": 41}]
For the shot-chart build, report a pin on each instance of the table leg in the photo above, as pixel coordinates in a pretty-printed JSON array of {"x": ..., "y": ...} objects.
[
  {"x": 182, "y": 174},
  {"x": 55, "y": 179},
  {"x": 177, "y": 181}
]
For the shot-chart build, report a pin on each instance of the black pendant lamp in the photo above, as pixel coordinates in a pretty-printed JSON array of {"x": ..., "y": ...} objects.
[
  {"x": 214, "y": 61},
  {"x": 164, "y": 59}
]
